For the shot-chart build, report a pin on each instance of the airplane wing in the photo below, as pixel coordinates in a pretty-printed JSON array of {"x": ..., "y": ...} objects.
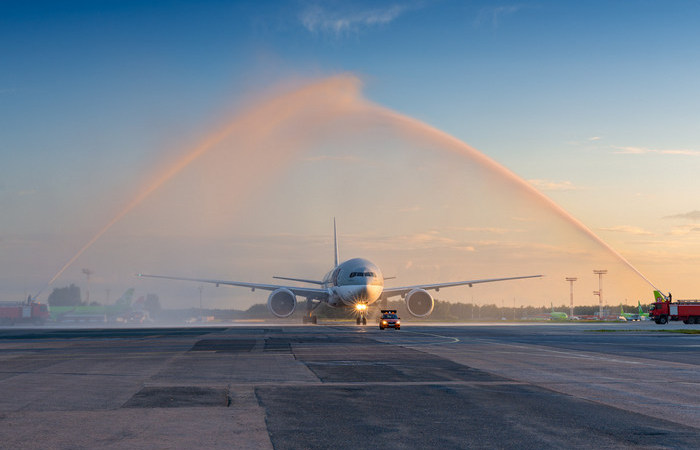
[
  {"x": 315, "y": 293},
  {"x": 391, "y": 292}
]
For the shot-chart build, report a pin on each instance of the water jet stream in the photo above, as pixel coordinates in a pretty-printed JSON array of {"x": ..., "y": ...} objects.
[
  {"x": 322, "y": 101},
  {"x": 417, "y": 128}
]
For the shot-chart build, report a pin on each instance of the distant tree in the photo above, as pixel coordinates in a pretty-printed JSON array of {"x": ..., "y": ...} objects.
[
  {"x": 257, "y": 310},
  {"x": 67, "y": 296},
  {"x": 152, "y": 305}
]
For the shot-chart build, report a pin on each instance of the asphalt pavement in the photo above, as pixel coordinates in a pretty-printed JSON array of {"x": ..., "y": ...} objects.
[{"x": 270, "y": 386}]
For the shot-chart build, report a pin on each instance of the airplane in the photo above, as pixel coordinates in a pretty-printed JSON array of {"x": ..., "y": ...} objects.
[
  {"x": 356, "y": 283},
  {"x": 93, "y": 313},
  {"x": 557, "y": 315},
  {"x": 640, "y": 315}
]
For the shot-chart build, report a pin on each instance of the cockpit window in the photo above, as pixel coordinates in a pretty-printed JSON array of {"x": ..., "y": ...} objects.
[{"x": 362, "y": 274}]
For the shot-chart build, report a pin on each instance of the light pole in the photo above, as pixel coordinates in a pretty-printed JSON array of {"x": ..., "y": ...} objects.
[
  {"x": 87, "y": 273},
  {"x": 600, "y": 274},
  {"x": 201, "y": 313},
  {"x": 571, "y": 294}
]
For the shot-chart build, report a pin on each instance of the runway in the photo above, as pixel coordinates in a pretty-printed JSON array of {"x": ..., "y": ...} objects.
[{"x": 284, "y": 387}]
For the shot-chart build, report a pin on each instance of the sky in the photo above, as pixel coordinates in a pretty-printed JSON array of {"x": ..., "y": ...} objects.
[{"x": 218, "y": 139}]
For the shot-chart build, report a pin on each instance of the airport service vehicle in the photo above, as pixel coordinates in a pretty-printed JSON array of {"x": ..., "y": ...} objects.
[
  {"x": 23, "y": 312},
  {"x": 665, "y": 310},
  {"x": 354, "y": 284},
  {"x": 389, "y": 319}
]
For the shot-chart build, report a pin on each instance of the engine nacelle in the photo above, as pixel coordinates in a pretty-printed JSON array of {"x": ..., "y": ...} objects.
[
  {"x": 419, "y": 303},
  {"x": 282, "y": 302}
]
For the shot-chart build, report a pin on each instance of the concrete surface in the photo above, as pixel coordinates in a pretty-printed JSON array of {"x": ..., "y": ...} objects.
[{"x": 493, "y": 386}]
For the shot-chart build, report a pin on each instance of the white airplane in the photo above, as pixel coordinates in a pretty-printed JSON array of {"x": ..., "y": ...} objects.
[{"x": 355, "y": 283}]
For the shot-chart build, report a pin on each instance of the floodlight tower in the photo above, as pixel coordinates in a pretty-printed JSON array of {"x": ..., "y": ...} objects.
[
  {"x": 599, "y": 293},
  {"x": 571, "y": 294},
  {"x": 87, "y": 273}
]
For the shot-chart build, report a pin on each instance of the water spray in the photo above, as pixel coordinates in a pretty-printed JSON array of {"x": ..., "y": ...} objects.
[
  {"x": 422, "y": 129},
  {"x": 328, "y": 98}
]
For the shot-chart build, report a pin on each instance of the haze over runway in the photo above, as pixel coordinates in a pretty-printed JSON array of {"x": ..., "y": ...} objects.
[
  {"x": 485, "y": 386},
  {"x": 230, "y": 133}
]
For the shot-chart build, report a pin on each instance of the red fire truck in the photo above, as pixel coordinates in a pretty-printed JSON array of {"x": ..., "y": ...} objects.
[
  {"x": 18, "y": 312},
  {"x": 665, "y": 310}
]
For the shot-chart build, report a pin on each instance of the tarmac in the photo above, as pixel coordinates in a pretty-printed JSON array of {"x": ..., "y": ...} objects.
[{"x": 344, "y": 386}]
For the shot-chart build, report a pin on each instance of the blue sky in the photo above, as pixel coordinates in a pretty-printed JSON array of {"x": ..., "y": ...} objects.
[{"x": 595, "y": 102}]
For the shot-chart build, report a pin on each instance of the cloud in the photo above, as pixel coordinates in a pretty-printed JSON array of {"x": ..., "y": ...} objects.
[
  {"x": 630, "y": 150},
  {"x": 692, "y": 215},
  {"x": 685, "y": 230},
  {"x": 494, "y": 230},
  {"x": 319, "y": 19},
  {"x": 548, "y": 185},
  {"x": 628, "y": 229},
  {"x": 494, "y": 14}
]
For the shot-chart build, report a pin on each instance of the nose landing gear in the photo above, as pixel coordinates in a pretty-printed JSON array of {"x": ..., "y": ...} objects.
[{"x": 361, "y": 313}]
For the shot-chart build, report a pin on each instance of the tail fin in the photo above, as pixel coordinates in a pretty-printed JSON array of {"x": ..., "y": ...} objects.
[
  {"x": 125, "y": 299},
  {"x": 659, "y": 297},
  {"x": 335, "y": 243}
]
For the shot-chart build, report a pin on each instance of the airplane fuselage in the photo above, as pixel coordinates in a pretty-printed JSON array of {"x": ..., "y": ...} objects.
[{"x": 354, "y": 282}]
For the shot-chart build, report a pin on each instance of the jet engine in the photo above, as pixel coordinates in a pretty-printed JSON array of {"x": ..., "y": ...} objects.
[
  {"x": 419, "y": 303},
  {"x": 282, "y": 302}
]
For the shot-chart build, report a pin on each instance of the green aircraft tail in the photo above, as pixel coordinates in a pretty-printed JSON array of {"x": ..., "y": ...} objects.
[{"x": 659, "y": 297}]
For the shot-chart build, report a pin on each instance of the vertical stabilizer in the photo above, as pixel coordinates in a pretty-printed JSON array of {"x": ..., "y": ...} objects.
[
  {"x": 335, "y": 242},
  {"x": 659, "y": 297}
]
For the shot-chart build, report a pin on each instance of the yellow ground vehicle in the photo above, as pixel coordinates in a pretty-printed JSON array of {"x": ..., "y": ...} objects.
[{"x": 389, "y": 319}]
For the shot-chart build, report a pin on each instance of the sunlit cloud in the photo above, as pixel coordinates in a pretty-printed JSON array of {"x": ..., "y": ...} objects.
[
  {"x": 549, "y": 185},
  {"x": 628, "y": 229},
  {"x": 692, "y": 215},
  {"x": 630, "y": 150},
  {"x": 685, "y": 230},
  {"x": 594, "y": 138},
  {"x": 318, "y": 18},
  {"x": 494, "y": 230}
]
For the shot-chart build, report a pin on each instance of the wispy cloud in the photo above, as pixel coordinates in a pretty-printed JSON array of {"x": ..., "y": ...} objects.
[
  {"x": 628, "y": 229},
  {"x": 318, "y": 18},
  {"x": 685, "y": 230},
  {"x": 493, "y": 230},
  {"x": 549, "y": 185},
  {"x": 692, "y": 215},
  {"x": 630, "y": 150},
  {"x": 494, "y": 14}
]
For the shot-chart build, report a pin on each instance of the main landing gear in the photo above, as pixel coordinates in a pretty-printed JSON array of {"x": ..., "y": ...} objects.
[
  {"x": 362, "y": 320},
  {"x": 310, "y": 307}
]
